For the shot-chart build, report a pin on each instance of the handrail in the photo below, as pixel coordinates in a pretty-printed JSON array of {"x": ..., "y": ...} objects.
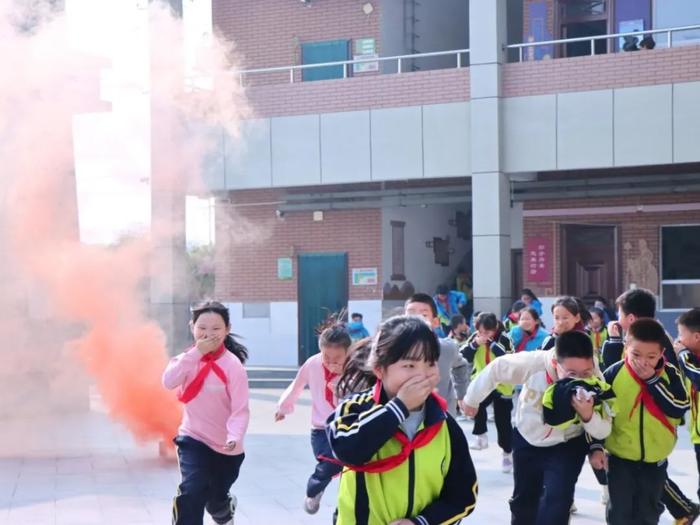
[
  {"x": 669, "y": 40},
  {"x": 345, "y": 63}
]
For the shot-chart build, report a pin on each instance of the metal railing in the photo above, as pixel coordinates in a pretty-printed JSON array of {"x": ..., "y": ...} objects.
[
  {"x": 593, "y": 39},
  {"x": 347, "y": 63}
]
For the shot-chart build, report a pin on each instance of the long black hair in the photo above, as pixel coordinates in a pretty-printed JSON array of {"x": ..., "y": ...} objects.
[
  {"x": 400, "y": 337},
  {"x": 233, "y": 346}
]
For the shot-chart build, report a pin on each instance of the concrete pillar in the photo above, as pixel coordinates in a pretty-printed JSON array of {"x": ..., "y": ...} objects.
[
  {"x": 169, "y": 304},
  {"x": 490, "y": 186}
]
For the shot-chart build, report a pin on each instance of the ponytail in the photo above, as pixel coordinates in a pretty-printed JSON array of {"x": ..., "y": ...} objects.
[
  {"x": 357, "y": 375},
  {"x": 236, "y": 348}
]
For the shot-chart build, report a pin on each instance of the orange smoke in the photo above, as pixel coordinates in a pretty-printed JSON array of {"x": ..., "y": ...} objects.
[{"x": 96, "y": 291}]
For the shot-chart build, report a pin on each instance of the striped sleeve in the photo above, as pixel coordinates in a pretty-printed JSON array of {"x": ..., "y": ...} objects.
[
  {"x": 359, "y": 427},
  {"x": 690, "y": 367},
  {"x": 670, "y": 395}
]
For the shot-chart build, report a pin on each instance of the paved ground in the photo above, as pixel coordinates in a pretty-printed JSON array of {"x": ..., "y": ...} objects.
[{"x": 85, "y": 470}]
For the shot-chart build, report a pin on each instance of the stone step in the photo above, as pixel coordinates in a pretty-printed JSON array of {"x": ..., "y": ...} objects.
[{"x": 270, "y": 377}]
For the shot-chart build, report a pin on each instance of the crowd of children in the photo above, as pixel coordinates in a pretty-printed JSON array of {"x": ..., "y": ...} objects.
[{"x": 384, "y": 410}]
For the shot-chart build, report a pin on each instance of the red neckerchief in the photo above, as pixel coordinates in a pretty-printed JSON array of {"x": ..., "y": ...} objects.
[
  {"x": 209, "y": 360},
  {"x": 596, "y": 334},
  {"x": 645, "y": 397},
  {"x": 421, "y": 439},
  {"x": 527, "y": 336},
  {"x": 329, "y": 376}
]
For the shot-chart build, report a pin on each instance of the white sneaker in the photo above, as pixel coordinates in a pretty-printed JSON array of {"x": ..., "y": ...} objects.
[
  {"x": 311, "y": 505},
  {"x": 480, "y": 443},
  {"x": 605, "y": 495},
  {"x": 234, "y": 502},
  {"x": 507, "y": 463}
]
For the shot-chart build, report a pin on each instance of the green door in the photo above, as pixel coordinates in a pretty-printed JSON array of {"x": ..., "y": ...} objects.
[{"x": 323, "y": 289}]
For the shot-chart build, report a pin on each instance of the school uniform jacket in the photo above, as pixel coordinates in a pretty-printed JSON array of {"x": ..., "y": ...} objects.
[
  {"x": 481, "y": 356},
  {"x": 690, "y": 366},
  {"x": 434, "y": 484},
  {"x": 637, "y": 435},
  {"x": 535, "y": 371}
]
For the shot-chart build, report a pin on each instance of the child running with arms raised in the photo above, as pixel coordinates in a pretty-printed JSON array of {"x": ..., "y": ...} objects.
[
  {"x": 320, "y": 372},
  {"x": 547, "y": 460},
  {"x": 406, "y": 460},
  {"x": 213, "y": 385}
]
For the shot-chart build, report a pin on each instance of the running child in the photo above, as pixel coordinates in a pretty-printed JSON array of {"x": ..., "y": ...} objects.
[
  {"x": 488, "y": 343},
  {"x": 688, "y": 347},
  {"x": 320, "y": 373},
  {"x": 634, "y": 305},
  {"x": 528, "y": 334},
  {"x": 650, "y": 400},
  {"x": 569, "y": 314},
  {"x": 453, "y": 368},
  {"x": 213, "y": 385},
  {"x": 530, "y": 299},
  {"x": 406, "y": 460},
  {"x": 597, "y": 329},
  {"x": 547, "y": 460}
]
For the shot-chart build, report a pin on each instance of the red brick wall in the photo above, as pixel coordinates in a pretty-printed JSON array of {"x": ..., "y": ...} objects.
[
  {"x": 269, "y": 33},
  {"x": 381, "y": 91},
  {"x": 250, "y": 239},
  {"x": 617, "y": 70},
  {"x": 631, "y": 228}
]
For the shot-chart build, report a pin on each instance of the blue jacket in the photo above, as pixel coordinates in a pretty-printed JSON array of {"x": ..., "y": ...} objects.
[
  {"x": 537, "y": 305},
  {"x": 357, "y": 330},
  {"x": 516, "y": 336},
  {"x": 455, "y": 299}
]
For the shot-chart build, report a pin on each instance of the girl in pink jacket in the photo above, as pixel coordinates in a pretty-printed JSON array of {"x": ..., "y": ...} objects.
[
  {"x": 321, "y": 373},
  {"x": 212, "y": 383}
]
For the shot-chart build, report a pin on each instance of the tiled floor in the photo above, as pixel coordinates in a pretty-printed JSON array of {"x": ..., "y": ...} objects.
[{"x": 85, "y": 470}]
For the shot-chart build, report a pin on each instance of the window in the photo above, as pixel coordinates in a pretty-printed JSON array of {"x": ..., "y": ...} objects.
[
  {"x": 680, "y": 267},
  {"x": 256, "y": 310},
  {"x": 677, "y": 13},
  {"x": 320, "y": 53}
]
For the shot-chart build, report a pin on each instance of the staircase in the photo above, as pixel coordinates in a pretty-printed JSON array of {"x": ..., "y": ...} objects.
[{"x": 270, "y": 377}]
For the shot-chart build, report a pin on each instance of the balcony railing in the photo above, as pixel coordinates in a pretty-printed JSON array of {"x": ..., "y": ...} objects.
[
  {"x": 346, "y": 64},
  {"x": 667, "y": 32}
]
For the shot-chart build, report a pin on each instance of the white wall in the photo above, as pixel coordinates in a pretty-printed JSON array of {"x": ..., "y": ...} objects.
[
  {"x": 273, "y": 341},
  {"x": 422, "y": 224},
  {"x": 371, "y": 312}
]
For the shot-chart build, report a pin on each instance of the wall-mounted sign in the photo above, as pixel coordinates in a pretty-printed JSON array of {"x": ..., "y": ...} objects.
[
  {"x": 365, "y": 48},
  {"x": 284, "y": 269},
  {"x": 538, "y": 260},
  {"x": 364, "y": 276}
]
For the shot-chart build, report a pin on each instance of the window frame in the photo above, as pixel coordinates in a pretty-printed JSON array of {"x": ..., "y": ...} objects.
[{"x": 663, "y": 281}]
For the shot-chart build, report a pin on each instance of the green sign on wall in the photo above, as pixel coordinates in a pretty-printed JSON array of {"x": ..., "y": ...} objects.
[{"x": 284, "y": 269}]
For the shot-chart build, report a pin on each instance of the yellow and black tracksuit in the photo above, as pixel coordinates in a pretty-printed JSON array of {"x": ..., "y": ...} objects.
[
  {"x": 690, "y": 366},
  {"x": 643, "y": 435},
  {"x": 501, "y": 397},
  {"x": 677, "y": 503},
  {"x": 429, "y": 479},
  {"x": 598, "y": 338}
]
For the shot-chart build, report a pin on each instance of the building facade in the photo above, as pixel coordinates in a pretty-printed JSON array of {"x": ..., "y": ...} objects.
[{"x": 568, "y": 168}]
